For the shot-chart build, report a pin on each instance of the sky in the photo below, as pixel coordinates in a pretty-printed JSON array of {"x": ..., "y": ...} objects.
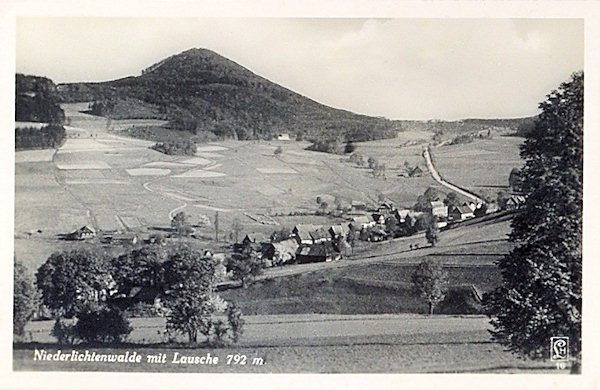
[{"x": 395, "y": 68}]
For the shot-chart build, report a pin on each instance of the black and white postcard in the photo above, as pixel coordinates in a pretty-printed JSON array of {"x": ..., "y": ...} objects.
[{"x": 395, "y": 190}]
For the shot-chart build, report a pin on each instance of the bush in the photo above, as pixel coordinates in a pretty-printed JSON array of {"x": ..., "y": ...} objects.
[
  {"x": 64, "y": 332},
  {"x": 184, "y": 147},
  {"x": 105, "y": 325},
  {"x": 350, "y": 147}
]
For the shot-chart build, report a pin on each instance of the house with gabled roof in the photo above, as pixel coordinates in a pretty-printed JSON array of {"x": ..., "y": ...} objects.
[
  {"x": 460, "y": 213},
  {"x": 317, "y": 253},
  {"x": 362, "y": 222},
  {"x": 438, "y": 208},
  {"x": 415, "y": 172},
  {"x": 82, "y": 233},
  {"x": 339, "y": 231},
  {"x": 280, "y": 252},
  {"x": 515, "y": 202},
  {"x": 320, "y": 235},
  {"x": 301, "y": 233}
]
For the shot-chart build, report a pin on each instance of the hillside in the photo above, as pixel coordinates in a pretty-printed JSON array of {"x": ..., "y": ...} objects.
[
  {"x": 36, "y": 100},
  {"x": 200, "y": 91}
]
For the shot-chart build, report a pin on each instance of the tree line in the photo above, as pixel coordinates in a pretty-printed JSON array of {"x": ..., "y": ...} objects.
[
  {"x": 51, "y": 136},
  {"x": 87, "y": 293}
]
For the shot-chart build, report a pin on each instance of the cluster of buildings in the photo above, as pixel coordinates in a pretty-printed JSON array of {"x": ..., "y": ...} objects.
[
  {"x": 307, "y": 243},
  {"x": 87, "y": 232}
]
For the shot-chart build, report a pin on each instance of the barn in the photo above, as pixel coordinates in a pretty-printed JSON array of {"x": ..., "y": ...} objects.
[{"x": 317, "y": 253}]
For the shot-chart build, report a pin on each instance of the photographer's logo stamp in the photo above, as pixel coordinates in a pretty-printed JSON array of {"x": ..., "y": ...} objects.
[{"x": 559, "y": 350}]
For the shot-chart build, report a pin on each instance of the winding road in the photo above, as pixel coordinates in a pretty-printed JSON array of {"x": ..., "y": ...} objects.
[{"x": 436, "y": 176}]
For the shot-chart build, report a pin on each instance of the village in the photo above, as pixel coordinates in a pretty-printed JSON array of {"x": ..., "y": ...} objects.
[{"x": 312, "y": 243}]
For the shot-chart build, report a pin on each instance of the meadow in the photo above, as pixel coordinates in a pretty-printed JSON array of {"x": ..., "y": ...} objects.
[
  {"x": 495, "y": 158},
  {"x": 112, "y": 182},
  {"x": 399, "y": 343}
]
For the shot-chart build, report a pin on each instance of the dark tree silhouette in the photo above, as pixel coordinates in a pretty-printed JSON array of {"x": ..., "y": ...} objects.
[{"x": 540, "y": 296}]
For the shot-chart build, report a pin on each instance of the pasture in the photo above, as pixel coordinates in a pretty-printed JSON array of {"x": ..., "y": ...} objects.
[
  {"x": 494, "y": 159},
  {"x": 101, "y": 179}
]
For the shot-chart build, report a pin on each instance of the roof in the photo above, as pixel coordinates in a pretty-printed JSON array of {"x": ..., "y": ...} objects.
[
  {"x": 362, "y": 219},
  {"x": 286, "y": 246},
  {"x": 339, "y": 230},
  {"x": 437, "y": 203},
  {"x": 463, "y": 209},
  {"x": 323, "y": 249},
  {"x": 517, "y": 199},
  {"x": 254, "y": 237},
  {"x": 319, "y": 233},
  {"x": 308, "y": 227},
  {"x": 304, "y": 235},
  {"x": 415, "y": 170},
  {"x": 85, "y": 229},
  {"x": 402, "y": 213}
]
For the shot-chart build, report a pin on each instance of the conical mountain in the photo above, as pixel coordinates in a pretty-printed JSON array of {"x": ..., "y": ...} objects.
[{"x": 199, "y": 90}]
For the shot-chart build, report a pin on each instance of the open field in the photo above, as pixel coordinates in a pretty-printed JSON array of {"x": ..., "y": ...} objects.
[
  {"x": 234, "y": 178},
  {"x": 495, "y": 158},
  {"x": 384, "y": 343}
]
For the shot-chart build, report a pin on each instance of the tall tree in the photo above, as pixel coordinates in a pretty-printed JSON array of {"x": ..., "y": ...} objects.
[
  {"x": 141, "y": 267},
  {"x": 432, "y": 232},
  {"x": 180, "y": 224},
  {"x": 245, "y": 265},
  {"x": 540, "y": 296},
  {"x": 429, "y": 281},
  {"x": 71, "y": 281},
  {"x": 190, "y": 280},
  {"x": 217, "y": 226},
  {"x": 236, "y": 228}
]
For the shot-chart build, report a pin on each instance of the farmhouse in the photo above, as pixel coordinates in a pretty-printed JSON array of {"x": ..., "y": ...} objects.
[
  {"x": 438, "y": 209},
  {"x": 280, "y": 252},
  {"x": 124, "y": 239},
  {"x": 82, "y": 233},
  {"x": 404, "y": 214},
  {"x": 320, "y": 235},
  {"x": 362, "y": 222},
  {"x": 339, "y": 231},
  {"x": 460, "y": 213},
  {"x": 317, "y": 253},
  {"x": 302, "y": 233},
  {"x": 148, "y": 295},
  {"x": 470, "y": 205},
  {"x": 377, "y": 234}
]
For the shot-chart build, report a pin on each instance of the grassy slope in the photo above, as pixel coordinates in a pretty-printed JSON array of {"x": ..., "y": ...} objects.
[
  {"x": 371, "y": 289},
  {"x": 495, "y": 158}
]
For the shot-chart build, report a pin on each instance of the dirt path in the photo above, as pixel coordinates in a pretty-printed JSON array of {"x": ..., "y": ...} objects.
[{"x": 436, "y": 176}]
